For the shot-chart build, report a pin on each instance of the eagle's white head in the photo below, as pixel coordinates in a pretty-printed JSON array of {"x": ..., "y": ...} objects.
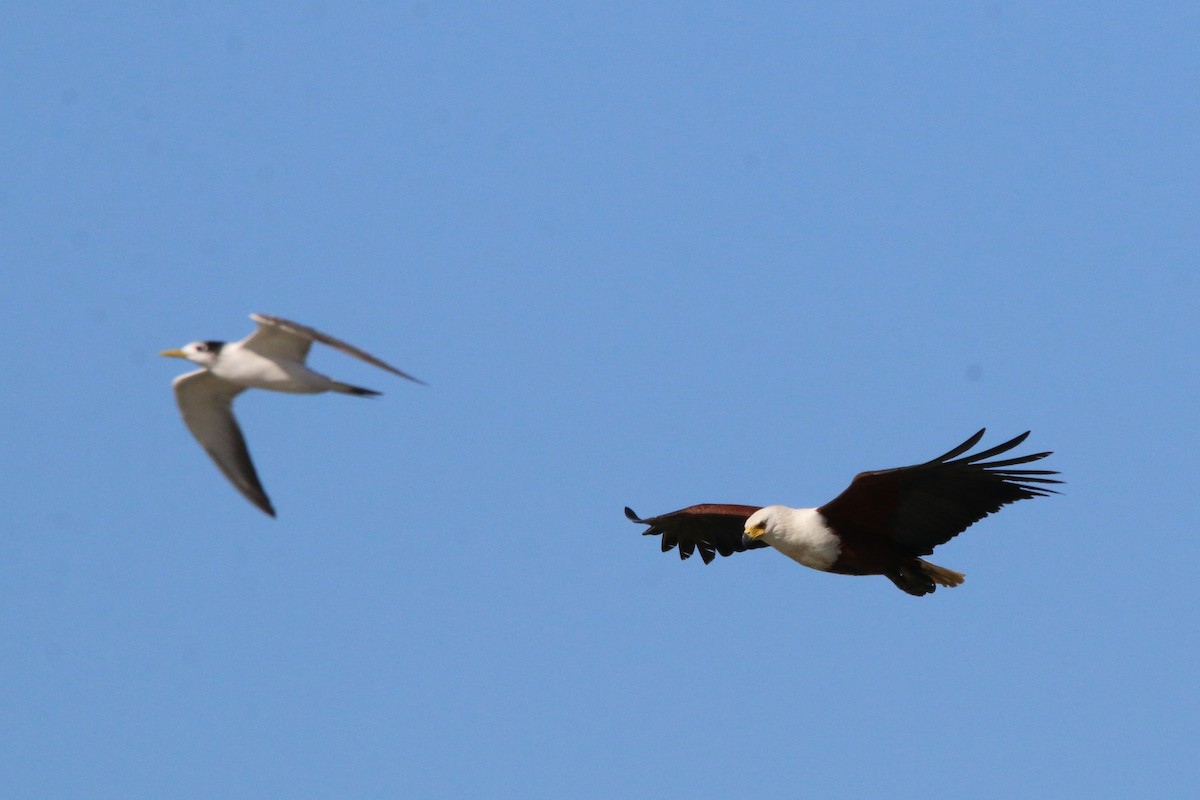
[
  {"x": 765, "y": 522},
  {"x": 799, "y": 533}
]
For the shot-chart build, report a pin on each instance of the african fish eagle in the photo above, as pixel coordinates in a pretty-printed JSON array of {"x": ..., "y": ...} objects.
[{"x": 880, "y": 525}]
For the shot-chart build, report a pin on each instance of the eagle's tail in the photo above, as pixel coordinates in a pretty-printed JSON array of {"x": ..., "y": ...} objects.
[{"x": 942, "y": 576}]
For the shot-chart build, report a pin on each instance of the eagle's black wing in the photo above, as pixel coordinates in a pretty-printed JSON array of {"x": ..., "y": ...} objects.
[
  {"x": 925, "y": 505},
  {"x": 710, "y": 528}
]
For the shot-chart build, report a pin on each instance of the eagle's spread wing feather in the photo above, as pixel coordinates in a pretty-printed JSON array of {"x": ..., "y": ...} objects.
[
  {"x": 925, "y": 505},
  {"x": 711, "y": 528}
]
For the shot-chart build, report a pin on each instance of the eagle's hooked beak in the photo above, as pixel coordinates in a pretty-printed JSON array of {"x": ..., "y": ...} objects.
[{"x": 751, "y": 535}]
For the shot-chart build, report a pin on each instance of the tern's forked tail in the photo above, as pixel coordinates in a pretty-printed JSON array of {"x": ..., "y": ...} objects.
[{"x": 357, "y": 391}]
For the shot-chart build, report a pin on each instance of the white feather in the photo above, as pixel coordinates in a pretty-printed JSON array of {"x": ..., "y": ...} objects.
[{"x": 799, "y": 533}]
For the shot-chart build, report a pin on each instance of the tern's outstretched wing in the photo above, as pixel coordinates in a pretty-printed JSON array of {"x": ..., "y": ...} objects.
[
  {"x": 280, "y": 338},
  {"x": 206, "y": 402}
]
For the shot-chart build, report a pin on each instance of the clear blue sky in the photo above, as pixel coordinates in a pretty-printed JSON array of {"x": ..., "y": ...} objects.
[{"x": 649, "y": 256}]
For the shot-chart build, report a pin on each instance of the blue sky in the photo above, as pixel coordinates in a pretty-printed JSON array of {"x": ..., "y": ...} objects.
[{"x": 646, "y": 256}]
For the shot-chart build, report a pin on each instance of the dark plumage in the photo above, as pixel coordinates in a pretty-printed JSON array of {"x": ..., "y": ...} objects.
[
  {"x": 711, "y": 528},
  {"x": 881, "y": 524}
]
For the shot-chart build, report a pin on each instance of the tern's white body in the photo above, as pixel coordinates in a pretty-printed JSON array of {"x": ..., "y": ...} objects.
[
  {"x": 252, "y": 370},
  {"x": 799, "y": 533},
  {"x": 270, "y": 358}
]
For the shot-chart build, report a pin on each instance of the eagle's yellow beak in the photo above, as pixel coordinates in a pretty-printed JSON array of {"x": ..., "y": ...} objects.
[
  {"x": 751, "y": 534},
  {"x": 173, "y": 353}
]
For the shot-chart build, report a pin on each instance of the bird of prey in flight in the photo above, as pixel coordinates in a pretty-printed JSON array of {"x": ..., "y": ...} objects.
[{"x": 882, "y": 524}]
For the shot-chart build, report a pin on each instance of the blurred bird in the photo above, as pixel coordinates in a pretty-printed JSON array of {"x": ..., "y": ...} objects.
[{"x": 270, "y": 358}]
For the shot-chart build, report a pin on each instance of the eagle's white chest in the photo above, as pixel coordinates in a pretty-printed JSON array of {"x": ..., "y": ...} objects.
[{"x": 802, "y": 535}]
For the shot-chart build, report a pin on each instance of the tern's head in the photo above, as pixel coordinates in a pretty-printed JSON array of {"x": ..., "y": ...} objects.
[{"x": 202, "y": 353}]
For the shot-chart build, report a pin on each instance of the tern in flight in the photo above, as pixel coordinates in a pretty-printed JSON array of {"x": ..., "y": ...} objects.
[{"x": 270, "y": 358}]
